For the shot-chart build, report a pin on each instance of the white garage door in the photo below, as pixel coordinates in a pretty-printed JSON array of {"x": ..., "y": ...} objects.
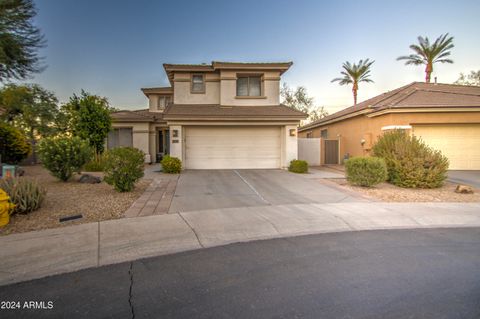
[
  {"x": 460, "y": 143},
  {"x": 232, "y": 147}
]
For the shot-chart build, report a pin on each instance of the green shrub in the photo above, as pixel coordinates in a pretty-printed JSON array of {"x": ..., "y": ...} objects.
[
  {"x": 14, "y": 146},
  {"x": 298, "y": 166},
  {"x": 123, "y": 167},
  {"x": 171, "y": 165},
  {"x": 410, "y": 162},
  {"x": 366, "y": 171},
  {"x": 95, "y": 165},
  {"x": 64, "y": 156},
  {"x": 25, "y": 193}
]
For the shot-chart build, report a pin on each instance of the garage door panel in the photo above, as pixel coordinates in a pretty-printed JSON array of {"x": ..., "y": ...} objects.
[
  {"x": 459, "y": 143},
  {"x": 232, "y": 147}
]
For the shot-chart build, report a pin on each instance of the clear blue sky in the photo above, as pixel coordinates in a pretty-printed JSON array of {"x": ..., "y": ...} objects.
[{"x": 113, "y": 48}]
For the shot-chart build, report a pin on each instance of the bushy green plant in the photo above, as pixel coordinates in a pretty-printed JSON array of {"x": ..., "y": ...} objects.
[
  {"x": 63, "y": 156},
  {"x": 410, "y": 162},
  {"x": 95, "y": 165},
  {"x": 25, "y": 193},
  {"x": 366, "y": 171},
  {"x": 171, "y": 165},
  {"x": 123, "y": 167},
  {"x": 298, "y": 166},
  {"x": 14, "y": 146}
]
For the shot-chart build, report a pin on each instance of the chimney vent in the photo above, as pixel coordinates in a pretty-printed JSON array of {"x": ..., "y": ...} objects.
[{"x": 435, "y": 80}]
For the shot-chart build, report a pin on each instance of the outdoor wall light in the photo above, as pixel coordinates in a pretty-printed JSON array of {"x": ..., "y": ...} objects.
[
  {"x": 293, "y": 132},
  {"x": 362, "y": 141}
]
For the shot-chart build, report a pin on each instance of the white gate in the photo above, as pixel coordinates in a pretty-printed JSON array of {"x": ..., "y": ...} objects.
[{"x": 309, "y": 150}]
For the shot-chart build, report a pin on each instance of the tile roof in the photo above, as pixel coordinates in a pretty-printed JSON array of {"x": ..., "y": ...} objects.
[
  {"x": 202, "y": 111},
  {"x": 413, "y": 95},
  {"x": 143, "y": 115}
]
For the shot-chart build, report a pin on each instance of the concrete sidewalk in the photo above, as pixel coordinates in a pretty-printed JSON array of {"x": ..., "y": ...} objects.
[{"x": 48, "y": 252}]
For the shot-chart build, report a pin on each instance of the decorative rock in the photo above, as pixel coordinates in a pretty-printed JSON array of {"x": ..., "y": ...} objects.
[
  {"x": 464, "y": 189},
  {"x": 20, "y": 171},
  {"x": 89, "y": 179}
]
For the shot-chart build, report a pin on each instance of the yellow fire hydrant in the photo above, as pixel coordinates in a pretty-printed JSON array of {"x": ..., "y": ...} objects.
[{"x": 6, "y": 207}]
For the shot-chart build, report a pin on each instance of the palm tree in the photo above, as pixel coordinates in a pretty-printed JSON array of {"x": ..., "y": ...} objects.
[
  {"x": 354, "y": 74},
  {"x": 428, "y": 54}
]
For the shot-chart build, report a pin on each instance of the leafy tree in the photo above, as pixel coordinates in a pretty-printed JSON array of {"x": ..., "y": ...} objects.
[
  {"x": 354, "y": 74},
  {"x": 32, "y": 109},
  {"x": 19, "y": 40},
  {"x": 298, "y": 99},
  {"x": 88, "y": 117},
  {"x": 430, "y": 53},
  {"x": 14, "y": 147},
  {"x": 63, "y": 156},
  {"x": 469, "y": 79}
]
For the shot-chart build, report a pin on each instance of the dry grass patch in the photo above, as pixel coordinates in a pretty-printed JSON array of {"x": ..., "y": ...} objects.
[
  {"x": 390, "y": 193},
  {"x": 96, "y": 202}
]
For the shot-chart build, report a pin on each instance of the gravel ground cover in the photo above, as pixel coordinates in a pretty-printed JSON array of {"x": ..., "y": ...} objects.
[
  {"x": 96, "y": 202},
  {"x": 386, "y": 192}
]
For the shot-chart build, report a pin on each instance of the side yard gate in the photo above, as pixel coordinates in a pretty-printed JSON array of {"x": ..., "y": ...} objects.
[{"x": 309, "y": 150}]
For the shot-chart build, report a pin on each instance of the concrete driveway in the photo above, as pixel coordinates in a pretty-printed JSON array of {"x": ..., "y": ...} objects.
[
  {"x": 211, "y": 189},
  {"x": 471, "y": 178}
]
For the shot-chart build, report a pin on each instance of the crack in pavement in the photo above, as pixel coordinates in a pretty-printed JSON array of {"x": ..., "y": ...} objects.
[
  {"x": 130, "y": 273},
  {"x": 193, "y": 230},
  {"x": 252, "y": 188}
]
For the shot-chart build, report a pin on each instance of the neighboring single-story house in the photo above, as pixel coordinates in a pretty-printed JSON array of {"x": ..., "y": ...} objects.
[
  {"x": 445, "y": 116},
  {"x": 222, "y": 115}
]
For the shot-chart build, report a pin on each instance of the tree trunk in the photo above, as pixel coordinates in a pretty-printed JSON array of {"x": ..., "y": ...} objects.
[
  {"x": 33, "y": 142},
  {"x": 354, "y": 90},
  {"x": 428, "y": 72}
]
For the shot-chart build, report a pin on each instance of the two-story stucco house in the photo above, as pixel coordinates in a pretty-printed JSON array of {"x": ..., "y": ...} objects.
[{"x": 221, "y": 115}]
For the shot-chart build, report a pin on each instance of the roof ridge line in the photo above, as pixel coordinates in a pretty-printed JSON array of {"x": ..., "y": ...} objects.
[
  {"x": 400, "y": 89},
  {"x": 401, "y": 98},
  {"x": 441, "y": 91}
]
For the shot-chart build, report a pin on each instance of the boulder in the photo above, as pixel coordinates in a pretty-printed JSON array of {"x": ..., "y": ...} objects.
[
  {"x": 89, "y": 179},
  {"x": 464, "y": 189},
  {"x": 20, "y": 171}
]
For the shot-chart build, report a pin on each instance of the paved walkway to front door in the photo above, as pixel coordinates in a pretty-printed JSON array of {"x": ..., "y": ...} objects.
[{"x": 157, "y": 197}]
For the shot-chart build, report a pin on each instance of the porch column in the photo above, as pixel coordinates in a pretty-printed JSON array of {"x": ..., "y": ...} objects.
[
  {"x": 153, "y": 147},
  {"x": 176, "y": 141},
  {"x": 290, "y": 146}
]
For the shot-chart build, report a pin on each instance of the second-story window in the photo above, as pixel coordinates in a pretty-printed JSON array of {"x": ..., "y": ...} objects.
[
  {"x": 249, "y": 86},
  {"x": 198, "y": 83},
  {"x": 163, "y": 102}
]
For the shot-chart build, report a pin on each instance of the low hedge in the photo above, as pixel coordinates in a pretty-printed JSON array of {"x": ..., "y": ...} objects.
[
  {"x": 298, "y": 166},
  {"x": 366, "y": 171},
  {"x": 123, "y": 167},
  {"x": 410, "y": 162},
  {"x": 171, "y": 165}
]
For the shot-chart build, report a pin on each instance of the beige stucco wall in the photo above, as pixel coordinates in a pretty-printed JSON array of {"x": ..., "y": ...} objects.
[
  {"x": 176, "y": 148},
  {"x": 221, "y": 88},
  {"x": 141, "y": 137},
  {"x": 153, "y": 102},
  {"x": 352, "y": 131},
  {"x": 289, "y": 145},
  {"x": 270, "y": 88},
  {"x": 183, "y": 95}
]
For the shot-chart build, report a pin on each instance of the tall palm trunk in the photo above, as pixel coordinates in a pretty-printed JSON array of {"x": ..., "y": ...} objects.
[
  {"x": 428, "y": 72},
  {"x": 355, "y": 90}
]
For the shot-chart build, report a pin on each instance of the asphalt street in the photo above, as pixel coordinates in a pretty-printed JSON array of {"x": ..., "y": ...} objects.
[{"x": 423, "y": 273}]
